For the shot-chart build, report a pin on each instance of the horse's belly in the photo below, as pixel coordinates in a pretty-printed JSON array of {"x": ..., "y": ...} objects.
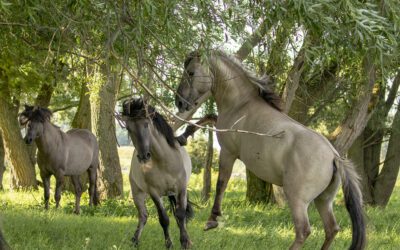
[{"x": 266, "y": 171}]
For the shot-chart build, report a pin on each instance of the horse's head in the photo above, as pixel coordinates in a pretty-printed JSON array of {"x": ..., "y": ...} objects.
[
  {"x": 196, "y": 82},
  {"x": 33, "y": 118},
  {"x": 137, "y": 116}
]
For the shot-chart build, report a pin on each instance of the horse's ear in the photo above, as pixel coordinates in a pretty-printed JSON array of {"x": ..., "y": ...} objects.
[
  {"x": 22, "y": 119},
  {"x": 28, "y": 107}
]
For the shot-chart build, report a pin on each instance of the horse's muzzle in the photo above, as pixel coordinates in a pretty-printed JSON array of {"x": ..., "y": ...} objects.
[
  {"x": 28, "y": 141},
  {"x": 143, "y": 158}
]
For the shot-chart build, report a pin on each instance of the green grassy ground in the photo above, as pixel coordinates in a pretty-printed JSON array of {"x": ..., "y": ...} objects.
[{"x": 110, "y": 226}]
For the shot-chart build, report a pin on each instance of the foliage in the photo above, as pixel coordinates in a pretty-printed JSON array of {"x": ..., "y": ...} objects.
[{"x": 197, "y": 149}]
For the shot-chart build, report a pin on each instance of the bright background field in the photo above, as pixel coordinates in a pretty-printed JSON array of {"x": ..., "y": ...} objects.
[{"x": 110, "y": 226}]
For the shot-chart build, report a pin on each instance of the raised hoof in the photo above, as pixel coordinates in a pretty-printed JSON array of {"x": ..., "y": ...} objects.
[
  {"x": 135, "y": 242},
  {"x": 210, "y": 225},
  {"x": 168, "y": 244}
]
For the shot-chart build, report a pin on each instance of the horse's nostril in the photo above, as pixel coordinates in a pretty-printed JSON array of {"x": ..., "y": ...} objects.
[
  {"x": 180, "y": 104},
  {"x": 148, "y": 155}
]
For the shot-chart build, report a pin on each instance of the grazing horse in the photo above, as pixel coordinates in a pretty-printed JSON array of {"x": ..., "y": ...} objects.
[
  {"x": 160, "y": 167},
  {"x": 62, "y": 154},
  {"x": 290, "y": 155}
]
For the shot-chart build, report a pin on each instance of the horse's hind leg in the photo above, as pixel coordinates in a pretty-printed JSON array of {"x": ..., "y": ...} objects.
[
  {"x": 301, "y": 222},
  {"x": 180, "y": 216},
  {"x": 226, "y": 161},
  {"x": 93, "y": 199},
  {"x": 328, "y": 218},
  {"x": 323, "y": 203},
  {"x": 76, "y": 181},
  {"x": 163, "y": 218},
  {"x": 140, "y": 202}
]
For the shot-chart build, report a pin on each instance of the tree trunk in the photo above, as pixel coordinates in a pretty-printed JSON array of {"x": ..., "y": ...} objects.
[
  {"x": 2, "y": 162},
  {"x": 258, "y": 191},
  {"x": 356, "y": 154},
  {"x": 292, "y": 81},
  {"x": 82, "y": 118},
  {"x": 347, "y": 132},
  {"x": 103, "y": 100},
  {"x": 15, "y": 146},
  {"x": 387, "y": 178},
  {"x": 205, "y": 194},
  {"x": 253, "y": 40}
]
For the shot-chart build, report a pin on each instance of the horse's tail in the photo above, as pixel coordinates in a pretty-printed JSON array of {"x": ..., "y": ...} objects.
[
  {"x": 353, "y": 199},
  {"x": 189, "y": 209},
  {"x": 191, "y": 129}
]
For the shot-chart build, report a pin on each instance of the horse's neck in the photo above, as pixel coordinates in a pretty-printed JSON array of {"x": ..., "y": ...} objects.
[
  {"x": 49, "y": 139},
  {"x": 231, "y": 87},
  {"x": 160, "y": 148}
]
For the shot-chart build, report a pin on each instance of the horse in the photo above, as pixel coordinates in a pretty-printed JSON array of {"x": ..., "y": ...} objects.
[
  {"x": 160, "y": 167},
  {"x": 288, "y": 154},
  {"x": 62, "y": 154}
]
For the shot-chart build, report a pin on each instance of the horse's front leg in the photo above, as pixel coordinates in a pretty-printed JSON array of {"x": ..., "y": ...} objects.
[
  {"x": 226, "y": 161},
  {"x": 46, "y": 187},
  {"x": 181, "y": 218},
  {"x": 140, "y": 202},
  {"x": 59, "y": 185},
  {"x": 163, "y": 218}
]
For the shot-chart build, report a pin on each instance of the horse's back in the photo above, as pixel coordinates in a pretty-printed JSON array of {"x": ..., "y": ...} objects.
[
  {"x": 82, "y": 150},
  {"x": 289, "y": 149}
]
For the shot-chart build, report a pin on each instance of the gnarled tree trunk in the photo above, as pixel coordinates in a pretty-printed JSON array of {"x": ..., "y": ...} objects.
[
  {"x": 15, "y": 147},
  {"x": 103, "y": 100}
]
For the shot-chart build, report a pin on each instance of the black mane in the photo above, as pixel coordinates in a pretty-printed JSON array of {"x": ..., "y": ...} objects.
[
  {"x": 137, "y": 109},
  {"x": 35, "y": 114}
]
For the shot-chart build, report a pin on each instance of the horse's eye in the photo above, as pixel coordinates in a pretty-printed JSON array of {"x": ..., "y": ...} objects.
[{"x": 191, "y": 73}]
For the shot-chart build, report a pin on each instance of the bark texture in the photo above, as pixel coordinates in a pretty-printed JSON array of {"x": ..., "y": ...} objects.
[
  {"x": 356, "y": 120},
  {"x": 15, "y": 147},
  {"x": 103, "y": 126}
]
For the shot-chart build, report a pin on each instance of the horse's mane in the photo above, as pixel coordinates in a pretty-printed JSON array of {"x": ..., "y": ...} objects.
[
  {"x": 35, "y": 114},
  {"x": 137, "y": 109},
  {"x": 264, "y": 83}
]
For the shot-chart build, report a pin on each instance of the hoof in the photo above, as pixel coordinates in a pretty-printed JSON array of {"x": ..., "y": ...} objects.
[
  {"x": 135, "y": 242},
  {"x": 77, "y": 212},
  {"x": 187, "y": 244},
  {"x": 168, "y": 244},
  {"x": 210, "y": 225}
]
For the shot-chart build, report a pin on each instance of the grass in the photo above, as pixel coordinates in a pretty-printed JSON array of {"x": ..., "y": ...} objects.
[{"x": 110, "y": 226}]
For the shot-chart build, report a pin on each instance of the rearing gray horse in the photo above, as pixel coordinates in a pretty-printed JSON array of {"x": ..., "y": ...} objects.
[
  {"x": 62, "y": 154},
  {"x": 302, "y": 161}
]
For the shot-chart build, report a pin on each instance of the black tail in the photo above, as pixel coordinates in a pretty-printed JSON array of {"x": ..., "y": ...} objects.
[
  {"x": 189, "y": 208},
  {"x": 191, "y": 129},
  {"x": 353, "y": 200}
]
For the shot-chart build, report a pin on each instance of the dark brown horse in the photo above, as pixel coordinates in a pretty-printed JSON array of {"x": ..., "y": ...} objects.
[{"x": 62, "y": 154}]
